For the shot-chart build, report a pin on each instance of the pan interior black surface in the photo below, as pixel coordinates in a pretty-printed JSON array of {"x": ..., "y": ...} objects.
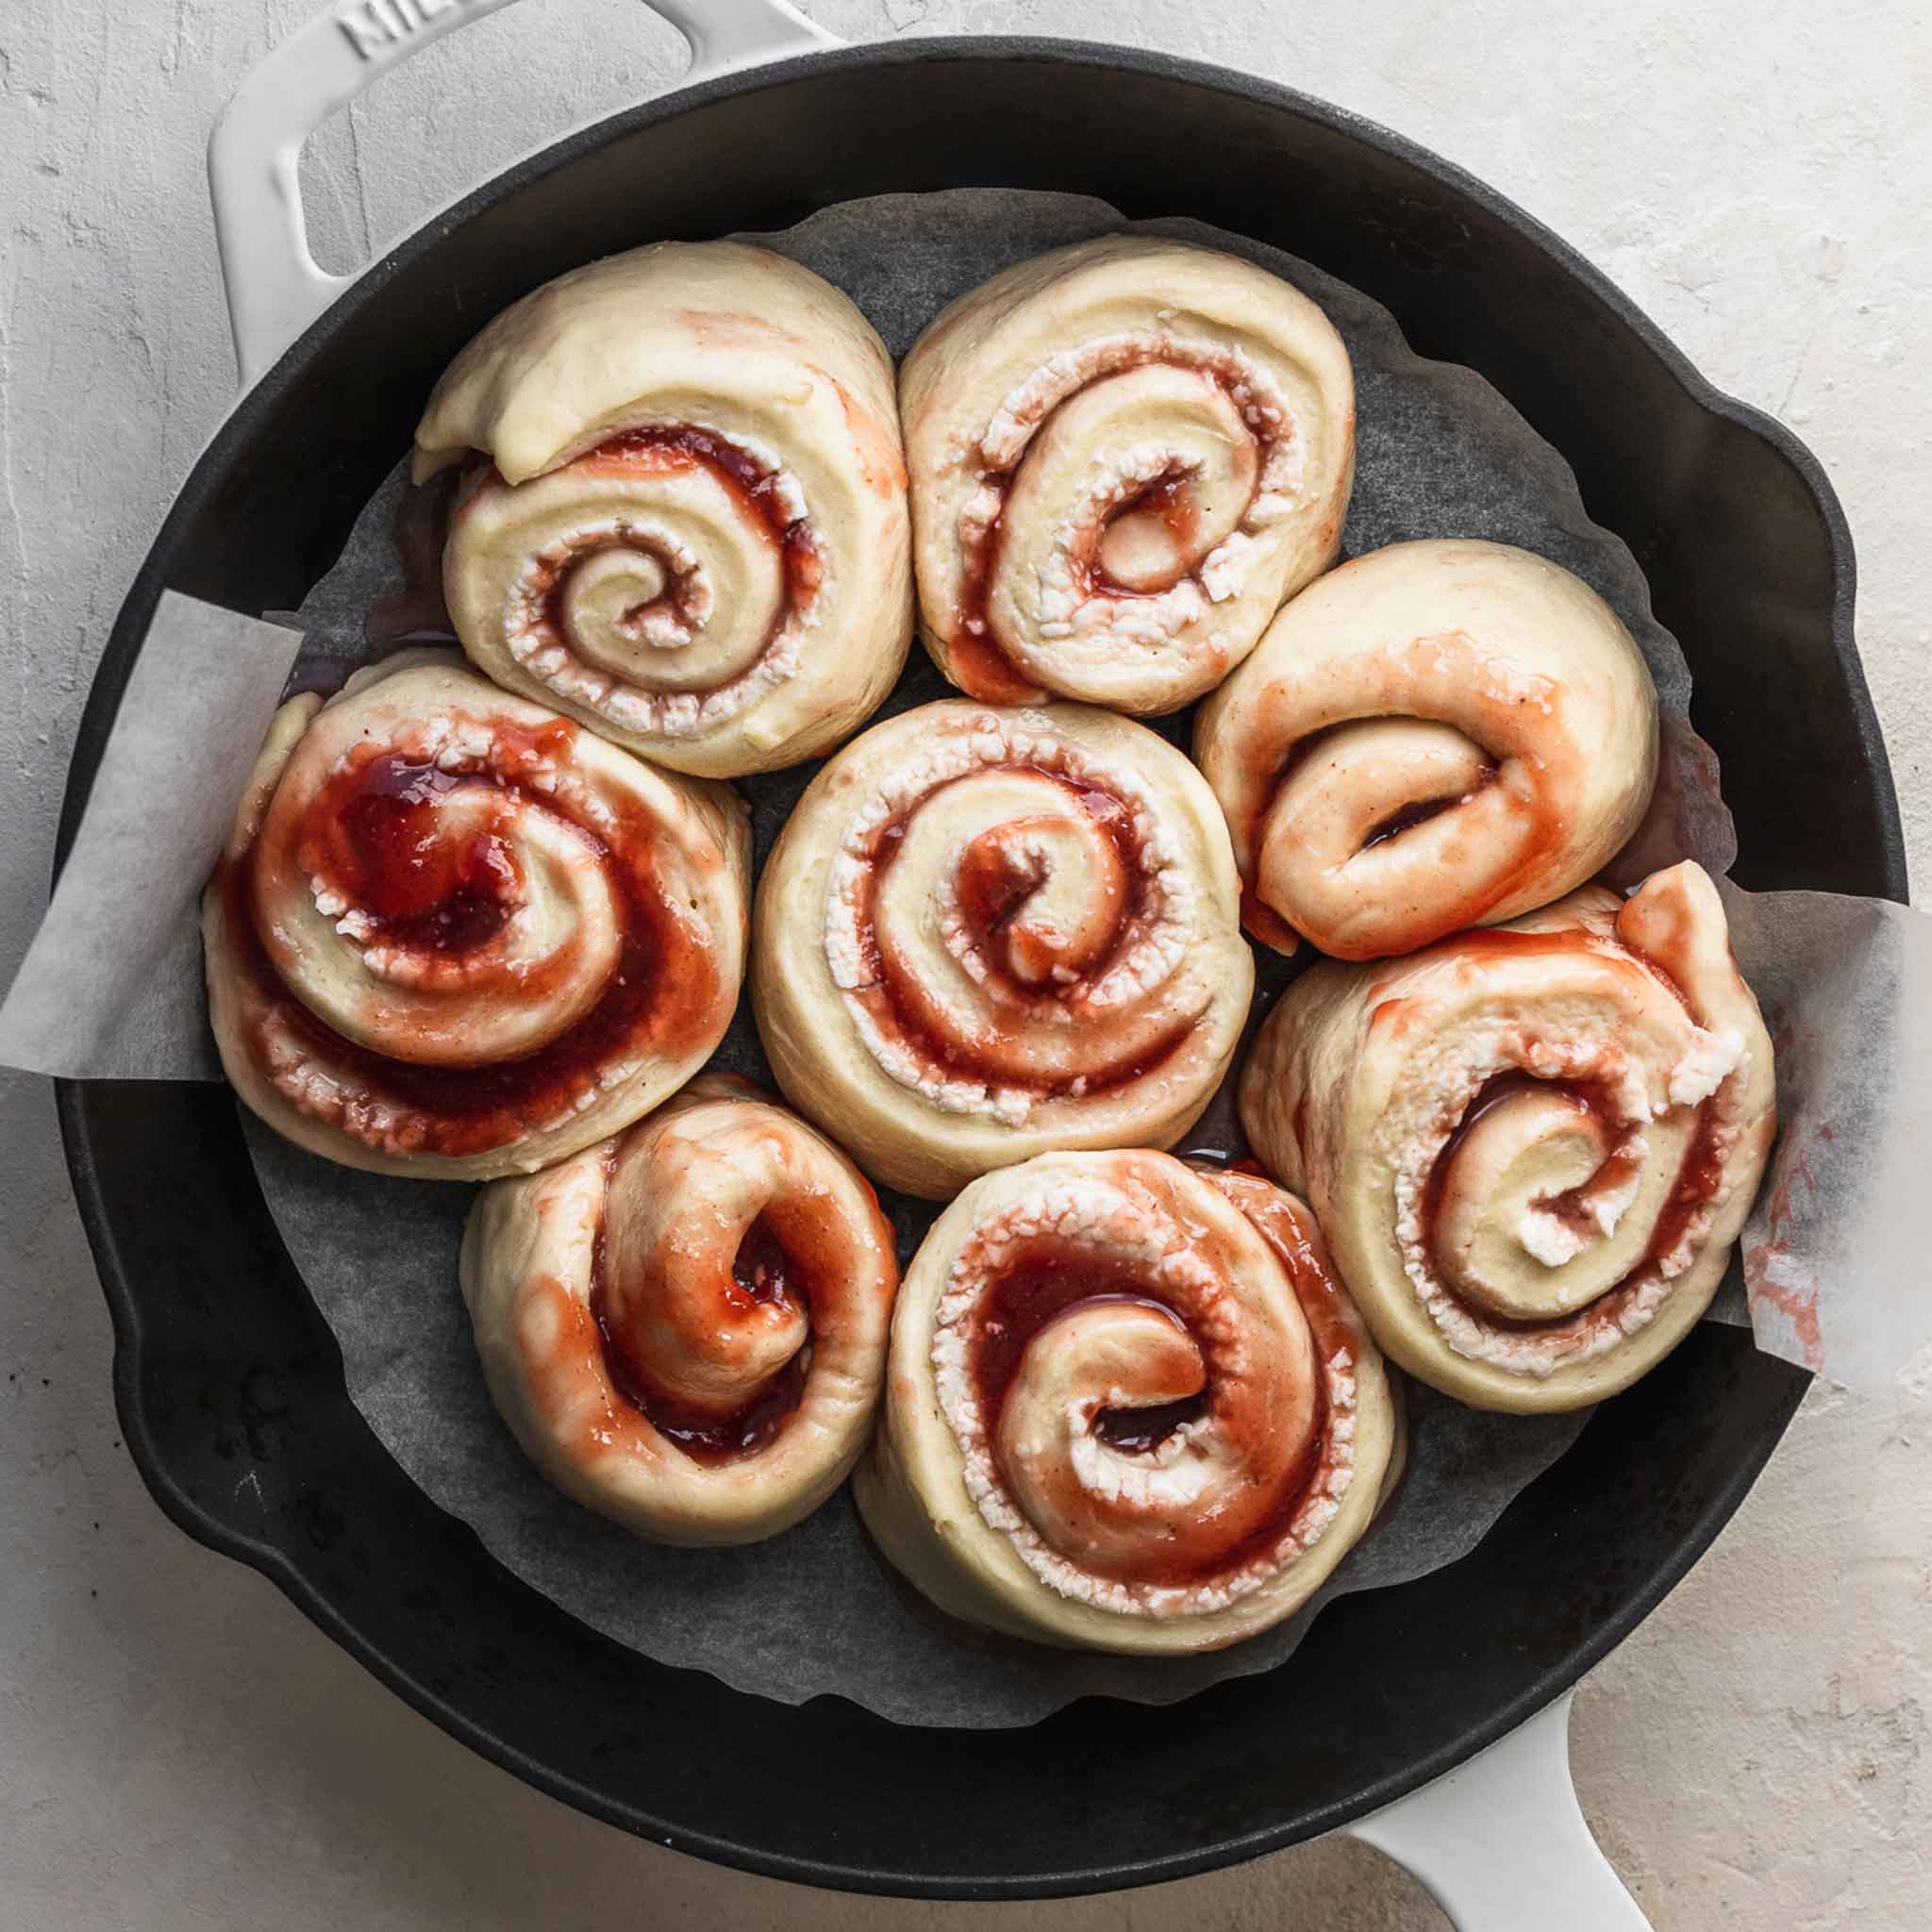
[{"x": 228, "y": 1383}]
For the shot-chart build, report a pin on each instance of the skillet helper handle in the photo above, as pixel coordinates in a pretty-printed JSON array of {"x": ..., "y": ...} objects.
[
  {"x": 1501, "y": 1844},
  {"x": 275, "y": 288}
]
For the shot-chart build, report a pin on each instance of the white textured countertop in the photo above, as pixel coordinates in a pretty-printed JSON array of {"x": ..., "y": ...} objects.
[{"x": 178, "y": 1748}]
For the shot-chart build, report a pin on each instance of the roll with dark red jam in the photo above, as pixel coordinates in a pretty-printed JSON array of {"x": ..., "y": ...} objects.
[
  {"x": 1531, "y": 1148},
  {"x": 685, "y": 1326},
  {"x": 987, "y": 933},
  {"x": 685, "y": 521},
  {"x": 1124, "y": 456},
  {"x": 1130, "y": 1407},
  {"x": 455, "y": 936}
]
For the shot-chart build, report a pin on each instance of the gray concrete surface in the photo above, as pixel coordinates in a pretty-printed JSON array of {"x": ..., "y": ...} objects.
[{"x": 177, "y": 1747}]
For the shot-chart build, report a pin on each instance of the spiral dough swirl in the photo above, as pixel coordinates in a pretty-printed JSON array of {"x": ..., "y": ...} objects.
[
  {"x": 1437, "y": 735},
  {"x": 1532, "y": 1148},
  {"x": 1130, "y": 1407},
  {"x": 1124, "y": 456},
  {"x": 685, "y": 1326},
  {"x": 453, "y": 936},
  {"x": 986, "y": 933},
  {"x": 691, "y": 532}
]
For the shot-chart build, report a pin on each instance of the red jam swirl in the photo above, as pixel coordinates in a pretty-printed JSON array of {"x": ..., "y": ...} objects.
[
  {"x": 1699, "y": 1175},
  {"x": 371, "y": 821},
  {"x": 991, "y": 895},
  {"x": 1460, "y": 916},
  {"x": 1035, "y": 1291},
  {"x": 382, "y": 850},
  {"x": 1049, "y": 1282},
  {"x": 763, "y": 1270},
  {"x": 1700, "y": 1179},
  {"x": 1407, "y": 817},
  {"x": 978, "y": 665},
  {"x": 755, "y": 491}
]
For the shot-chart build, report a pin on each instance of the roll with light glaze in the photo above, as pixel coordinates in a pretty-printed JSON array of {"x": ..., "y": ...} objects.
[
  {"x": 1124, "y": 456},
  {"x": 1436, "y": 735},
  {"x": 987, "y": 933},
  {"x": 455, "y": 936},
  {"x": 1130, "y": 1407},
  {"x": 685, "y": 1326},
  {"x": 690, "y": 528},
  {"x": 1531, "y": 1149}
]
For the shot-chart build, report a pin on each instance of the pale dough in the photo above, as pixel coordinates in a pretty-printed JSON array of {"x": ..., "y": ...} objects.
[
  {"x": 1439, "y": 734},
  {"x": 1013, "y": 1508},
  {"x": 985, "y": 933},
  {"x": 666, "y": 1206},
  {"x": 1541, "y": 1243},
  {"x": 587, "y": 831},
  {"x": 1124, "y": 456},
  {"x": 693, "y": 535}
]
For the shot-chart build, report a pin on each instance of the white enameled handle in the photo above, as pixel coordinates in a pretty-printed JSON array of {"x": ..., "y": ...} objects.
[
  {"x": 275, "y": 288},
  {"x": 1501, "y": 1843}
]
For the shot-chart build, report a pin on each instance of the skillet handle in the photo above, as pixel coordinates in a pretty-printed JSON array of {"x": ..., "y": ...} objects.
[
  {"x": 274, "y": 286},
  {"x": 1501, "y": 1843}
]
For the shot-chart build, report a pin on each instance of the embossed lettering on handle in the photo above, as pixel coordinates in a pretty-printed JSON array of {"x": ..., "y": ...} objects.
[
  {"x": 374, "y": 26},
  {"x": 275, "y": 288}
]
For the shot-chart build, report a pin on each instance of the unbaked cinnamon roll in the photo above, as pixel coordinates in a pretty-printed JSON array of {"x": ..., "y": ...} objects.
[
  {"x": 1130, "y": 1407},
  {"x": 987, "y": 933},
  {"x": 1532, "y": 1148},
  {"x": 1436, "y": 735},
  {"x": 685, "y": 1326},
  {"x": 455, "y": 936},
  {"x": 691, "y": 532},
  {"x": 1124, "y": 456}
]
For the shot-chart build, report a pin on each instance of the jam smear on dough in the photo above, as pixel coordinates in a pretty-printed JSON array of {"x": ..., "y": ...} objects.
[
  {"x": 898, "y": 1005},
  {"x": 762, "y": 1271},
  {"x": 661, "y": 991},
  {"x": 977, "y": 663},
  {"x": 754, "y": 491},
  {"x": 1433, "y": 924},
  {"x": 1699, "y": 1175},
  {"x": 382, "y": 851},
  {"x": 1047, "y": 1282}
]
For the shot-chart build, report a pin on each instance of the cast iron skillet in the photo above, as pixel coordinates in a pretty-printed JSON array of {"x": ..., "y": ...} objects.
[{"x": 229, "y": 1385}]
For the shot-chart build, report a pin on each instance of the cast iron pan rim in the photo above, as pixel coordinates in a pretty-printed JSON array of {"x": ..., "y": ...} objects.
[{"x": 97, "y": 719}]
